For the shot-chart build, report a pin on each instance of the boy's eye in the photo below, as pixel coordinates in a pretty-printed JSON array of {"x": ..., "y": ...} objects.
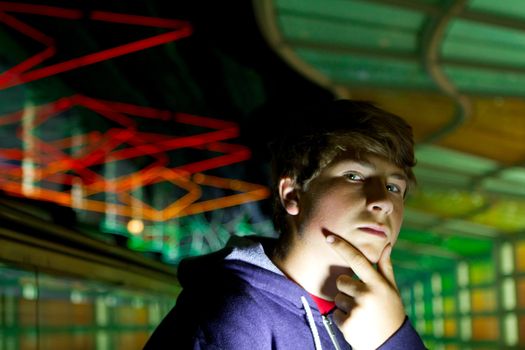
[
  {"x": 393, "y": 188},
  {"x": 354, "y": 176}
]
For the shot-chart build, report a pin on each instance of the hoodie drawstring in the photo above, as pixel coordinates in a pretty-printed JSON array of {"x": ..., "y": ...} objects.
[{"x": 311, "y": 323}]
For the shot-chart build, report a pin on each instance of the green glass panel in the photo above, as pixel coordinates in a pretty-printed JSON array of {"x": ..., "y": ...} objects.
[
  {"x": 417, "y": 236},
  {"x": 428, "y": 176},
  {"x": 468, "y": 246},
  {"x": 516, "y": 174},
  {"x": 417, "y": 218},
  {"x": 504, "y": 186},
  {"x": 504, "y": 215},
  {"x": 429, "y": 326},
  {"x": 447, "y": 203},
  {"x": 485, "y": 34},
  {"x": 484, "y": 52},
  {"x": 449, "y": 159},
  {"x": 448, "y": 283},
  {"x": 466, "y": 227},
  {"x": 449, "y": 305},
  {"x": 357, "y": 69},
  {"x": 481, "y": 272},
  {"x": 346, "y": 34},
  {"x": 512, "y": 8},
  {"x": 420, "y": 236},
  {"x": 482, "y": 80},
  {"x": 356, "y": 11},
  {"x": 422, "y": 262}
]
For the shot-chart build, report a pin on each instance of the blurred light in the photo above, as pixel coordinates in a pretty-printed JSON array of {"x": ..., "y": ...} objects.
[
  {"x": 135, "y": 226},
  {"x": 511, "y": 329},
  {"x": 506, "y": 259},
  {"x": 29, "y": 291},
  {"x": 77, "y": 297},
  {"x": 103, "y": 340},
  {"x": 464, "y": 301},
  {"x": 101, "y": 312},
  {"x": 137, "y": 303},
  {"x": 154, "y": 313},
  {"x": 463, "y": 277},
  {"x": 439, "y": 327},
  {"x": 466, "y": 328},
  {"x": 110, "y": 300},
  {"x": 509, "y": 293}
]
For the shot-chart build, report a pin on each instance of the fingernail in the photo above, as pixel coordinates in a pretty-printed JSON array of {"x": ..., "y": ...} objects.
[{"x": 330, "y": 239}]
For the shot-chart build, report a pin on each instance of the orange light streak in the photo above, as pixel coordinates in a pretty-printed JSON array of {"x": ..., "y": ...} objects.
[{"x": 53, "y": 163}]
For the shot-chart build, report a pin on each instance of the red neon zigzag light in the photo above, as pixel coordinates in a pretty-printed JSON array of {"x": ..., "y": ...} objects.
[
  {"x": 21, "y": 73},
  {"x": 98, "y": 147}
]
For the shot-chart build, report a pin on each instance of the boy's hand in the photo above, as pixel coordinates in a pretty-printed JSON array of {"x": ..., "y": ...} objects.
[{"x": 369, "y": 310}]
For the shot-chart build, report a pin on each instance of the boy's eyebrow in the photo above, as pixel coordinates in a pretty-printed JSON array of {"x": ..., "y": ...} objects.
[{"x": 400, "y": 176}]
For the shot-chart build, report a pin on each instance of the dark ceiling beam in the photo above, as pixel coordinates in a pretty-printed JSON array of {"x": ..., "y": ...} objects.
[
  {"x": 494, "y": 20},
  {"x": 411, "y": 5},
  {"x": 431, "y": 45}
]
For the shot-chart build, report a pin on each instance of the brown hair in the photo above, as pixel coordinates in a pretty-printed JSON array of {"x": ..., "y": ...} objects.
[{"x": 327, "y": 130}]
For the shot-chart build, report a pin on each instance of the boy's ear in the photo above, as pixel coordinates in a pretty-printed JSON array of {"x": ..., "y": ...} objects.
[{"x": 289, "y": 195}]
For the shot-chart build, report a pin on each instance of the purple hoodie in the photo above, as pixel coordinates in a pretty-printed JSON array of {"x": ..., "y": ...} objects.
[{"x": 237, "y": 298}]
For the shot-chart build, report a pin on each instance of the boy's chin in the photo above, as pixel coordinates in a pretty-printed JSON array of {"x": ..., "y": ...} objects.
[{"x": 371, "y": 252}]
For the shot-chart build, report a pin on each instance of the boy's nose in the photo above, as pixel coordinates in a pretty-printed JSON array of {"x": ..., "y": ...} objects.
[{"x": 378, "y": 199}]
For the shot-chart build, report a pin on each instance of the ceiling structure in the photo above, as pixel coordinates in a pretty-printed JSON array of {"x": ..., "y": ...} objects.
[
  {"x": 455, "y": 71},
  {"x": 145, "y": 124},
  {"x": 452, "y": 69}
]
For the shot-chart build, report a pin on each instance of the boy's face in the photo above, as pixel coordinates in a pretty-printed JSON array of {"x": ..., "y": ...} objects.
[{"x": 360, "y": 201}]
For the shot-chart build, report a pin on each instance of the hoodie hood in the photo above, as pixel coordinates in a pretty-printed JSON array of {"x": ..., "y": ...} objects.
[{"x": 245, "y": 258}]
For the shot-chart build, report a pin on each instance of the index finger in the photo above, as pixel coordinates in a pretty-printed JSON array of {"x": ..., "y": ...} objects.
[{"x": 355, "y": 259}]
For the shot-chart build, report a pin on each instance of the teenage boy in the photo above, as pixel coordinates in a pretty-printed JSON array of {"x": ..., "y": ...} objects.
[{"x": 339, "y": 188}]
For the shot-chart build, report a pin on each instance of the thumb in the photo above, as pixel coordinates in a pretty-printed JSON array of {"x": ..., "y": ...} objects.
[{"x": 385, "y": 266}]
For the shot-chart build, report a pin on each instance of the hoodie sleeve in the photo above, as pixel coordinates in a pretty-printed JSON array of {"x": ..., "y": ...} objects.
[
  {"x": 238, "y": 323},
  {"x": 231, "y": 336},
  {"x": 214, "y": 321},
  {"x": 405, "y": 338}
]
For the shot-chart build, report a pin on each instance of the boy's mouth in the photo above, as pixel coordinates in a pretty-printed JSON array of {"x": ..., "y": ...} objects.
[{"x": 373, "y": 230}]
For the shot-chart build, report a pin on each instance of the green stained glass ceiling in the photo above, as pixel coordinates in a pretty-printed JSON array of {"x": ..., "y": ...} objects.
[
  {"x": 471, "y": 54},
  {"x": 455, "y": 71}
]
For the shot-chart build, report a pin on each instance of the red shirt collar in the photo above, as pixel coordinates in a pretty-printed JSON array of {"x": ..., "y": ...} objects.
[{"x": 324, "y": 306}]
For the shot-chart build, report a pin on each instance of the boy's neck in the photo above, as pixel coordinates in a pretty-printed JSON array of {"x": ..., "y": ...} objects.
[{"x": 301, "y": 266}]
